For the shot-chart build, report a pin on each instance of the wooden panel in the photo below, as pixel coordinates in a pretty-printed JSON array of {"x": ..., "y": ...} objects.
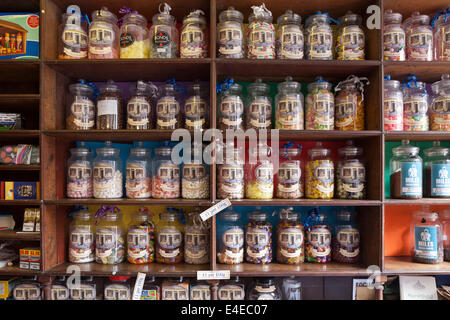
[
  {"x": 312, "y": 288},
  {"x": 49, "y": 239},
  {"x": 338, "y": 288},
  {"x": 416, "y": 136},
  {"x": 369, "y": 220},
  {"x": 53, "y": 101},
  {"x": 13, "y": 235},
  {"x": 304, "y": 202},
  {"x": 425, "y": 71},
  {"x": 19, "y": 76},
  {"x": 19, "y": 6},
  {"x": 406, "y": 8}
]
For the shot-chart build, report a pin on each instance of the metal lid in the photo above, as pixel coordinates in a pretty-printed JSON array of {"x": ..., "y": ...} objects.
[
  {"x": 350, "y": 149},
  {"x": 110, "y": 87},
  {"x": 320, "y": 84},
  {"x": 104, "y": 13},
  {"x": 258, "y": 88},
  {"x": 392, "y": 17},
  {"x": 288, "y": 84},
  {"x": 230, "y": 215},
  {"x": 231, "y": 14},
  {"x": 289, "y": 18},
  {"x": 406, "y": 149},
  {"x": 436, "y": 150},
  {"x": 258, "y": 215},
  {"x": 318, "y": 150},
  {"x": 350, "y": 18}
]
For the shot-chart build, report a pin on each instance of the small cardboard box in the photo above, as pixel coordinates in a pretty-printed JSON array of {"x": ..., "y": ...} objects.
[
  {"x": 6, "y": 287},
  {"x": 19, "y": 190},
  {"x": 24, "y": 262},
  {"x": 19, "y": 35},
  {"x": 35, "y": 259}
]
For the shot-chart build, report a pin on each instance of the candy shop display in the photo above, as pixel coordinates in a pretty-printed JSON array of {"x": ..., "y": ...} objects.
[
  {"x": 168, "y": 108},
  {"x": 108, "y": 173},
  {"x": 350, "y": 173},
  {"x": 445, "y": 216},
  {"x": 59, "y": 290},
  {"x": 164, "y": 34},
  {"x": 230, "y": 174},
  {"x": 260, "y": 34},
  {"x": 259, "y": 173},
  {"x": 109, "y": 107},
  {"x": 440, "y": 105},
  {"x": 117, "y": 288},
  {"x": 138, "y": 173},
  {"x": 319, "y": 106},
  {"x": 196, "y": 106},
  {"x": 140, "y": 238},
  {"x": 289, "y": 106},
  {"x": 230, "y": 239},
  {"x": 169, "y": 237},
  {"x": 264, "y": 289},
  {"x": 426, "y": 237},
  {"x": 175, "y": 289},
  {"x": 10, "y": 121},
  {"x": 319, "y": 37},
  {"x": 199, "y": 290},
  {"x": 232, "y": 289},
  {"x": 195, "y": 181},
  {"x": 73, "y": 38},
  {"x": 81, "y": 107},
  {"x": 345, "y": 244},
  {"x": 318, "y": 238},
  {"x": 350, "y": 40},
  {"x": 104, "y": 36},
  {"x": 292, "y": 289},
  {"x": 393, "y": 105},
  {"x": 230, "y": 106},
  {"x": 290, "y": 238},
  {"x": 87, "y": 290},
  {"x": 394, "y": 38},
  {"x": 319, "y": 177},
  {"x": 20, "y": 154},
  {"x": 140, "y": 106},
  {"x": 289, "y": 179},
  {"x": 109, "y": 236},
  {"x": 289, "y": 36},
  {"x": 19, "y": 35},
  {"x": 134, "y": 37},
  {"x": 151, "y": 289},
  {"x": 441, "y": 25},
  {"x": 230, "y": 37},
  {"x": 437, "y": 170},
  {"x": 81, "y": 237},
  {"x": 419, "y": 38},
  {"x": 165, "y": 175},
  {"x": 415, "y": 105},
  {"x": 193, "y": 41},
  {"x": 258, "y": 238},
  {"x": 27, "y": 289},
  {"x": 349, "y": 103},
  {"x": 79, "y": 173},
  {"x": 196, "y": 239},
  {"x": 258, "y": 106},
  {"x": 406, "y": 172}
]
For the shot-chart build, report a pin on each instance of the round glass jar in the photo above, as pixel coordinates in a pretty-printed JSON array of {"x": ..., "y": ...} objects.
[
  {"x": 351, "y": 173},
  {"x": 259, "y": 173},
  {"x": 319, "y": 106},
  {"x": 109, "y": 237},
  {"x": 195, "y": 181},
  {"x": 442, "y": 37},
  {"x": 290, "y": 238},
  {"x": 117, "y": 288},
  {"x": 199, "y": 290},
  {"x": 260, "y": 34},
  {"x": 87, "y": 290},
  {"x": 318, "y": 239},
  {"x": 419, "y": 38},
  {"x": 175, "y": 289},
  {"x": 79, "y": 173},
  {"x": 81, "y": 237},
  {"x": 134, "y": 37},
  {"x": 230, "y": 37},
  {"x": 230, "y": 174},
  {"x": 104, "y": 36},
  {"x": 73, "y": 39},
  {"x": 165, "y": 175},
  {"x": 350, "y": 40},
  {"x": 164, "y": 34},
  {"x": 27, "y": 289},
  {"x": 319, "y": 37},
  {"x": 258, "y": 236},
  {"x": 196, "y": 106},
  {"x": 437, "y": 170},
  {"x": 289, "y": 179},
  {"x": 140, "y": 106},
  {"x": 393, "y": 105},
  {"x": 59, "y": 290},
  {"x": 168, "y": 108},
  {"x": 346, "y": 241},
  {"x": 319, "y": 175},
  {"x": 110, "y": 107},
  {"x": 138, "y": 173},
  {"x": 440, "y": 105},
  {"x": 108, "y": 177},
  {"x": 231, "y": 108},
  {"x": 264, "y": 289},
  {"x": 80, "y": 113},
  {"x": 415, "y": 107},
  {"x": 289, "y": 40},
  {"x": 169, "y": 237},
  {"x": 394, "y": 38},
  {"x": 349, "y": 104},
  {"x": 289, "y": 106},
  {"x": 196, "y": 239},
  {"x": 140, "y": 238},
  {"x": 193, "y": 39},
  {"x": 259, "y": 106},
  {"x": 230, "y": 238},
  {"x": 232, "y": 289}
]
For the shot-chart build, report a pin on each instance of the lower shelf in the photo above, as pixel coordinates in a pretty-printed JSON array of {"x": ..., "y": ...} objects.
[
  {"x": 405, "y": 265},
  {"x": 14, "y": 235},
  {"x": 16, "y": 271}
]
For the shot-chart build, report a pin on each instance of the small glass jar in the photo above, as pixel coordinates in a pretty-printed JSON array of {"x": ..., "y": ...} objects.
[
  {"x": 134, "y": 37},
  {"x": 140, "y": 106},
  {"x": 440, "y": 105},
  {"x": 290, "y": 41},
  {"x": 117, "y": 288},
  {"x": 258, "y": 235},
  {"x": 394, "y": 38},
  {"x": 289, "y": 106},
  {"x": 230, "y": 174},
  {"x": 59, "y": 290},
  {"x": 81, "y": 108},
  {"x": 73, "y": 39},
  {"x": 393, "y": 105},
  {"x": 319, "y": 106},
  {"x": 442, "y": 38},
  {"x": 196, "y": 239},
  {"x": 349, "y": 104},
  {"x": 110, "y": 237},
  {"x": 151, "y": 289},
  {"x": 79, "y": 173},
  {"x": 138, "y": 173},
  {"x": 318, "y": 239},
  {"x": 108, "y": 175},
  {"x": 259, "y": 176},
  {"x": 175, "y": 289},
  {"x": 292, "y": 288},
  {"x": 426, "y": 235},
  {"x": 230, "y": 37},
  {"x": 81, "y": 237},
  {"x": 446, "y": 234},
  {"x": 87, "y": 290},
  {"x": 260, "y": 34},
  {"x": 264, "y": 289},
  {"x": 164, "y": 34},
  {"x": 406, "y": 172},
  {"x": 230, "y": 238},
  {"x": 27, "y": 289},
  {"x": 195, "y": 181},
  {"x": 350, "y": 41},
  {"x": 419, "y": 38},
  {"x": 168, "y": 109},
  {"x": 231, "y": 108},
  {"x": 196, "y": 106},
  {"x": 169, "y": 236},
  {"x": 259, "y": 106},
  {"x": 109, "y": 107},
  {"x": 437, "y": 170},
  {"x": 165, "y": 175},
  {"x": 415, "y": 107},
  {"x": 199, "y": 290},
  {"x": 104, "y": 36},
  {"x": 319, "y": 175},
  {"x": 193, "y": 39},
  {"x": 319, "y": 37},
  {"x": 140, "y": 238},
  {"x": 346, "y": 247},
  {"x": 351, "y": 173},
  {"x": 290, "y": 238},
  {"x": 289, "y": 179},
  {"x": 232, "y": 289}
]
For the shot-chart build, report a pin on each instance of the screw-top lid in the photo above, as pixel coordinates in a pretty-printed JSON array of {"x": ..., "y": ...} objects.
[
  {"x": 230, "y": 215},
  {"x": 350, "y": 150},
  {"x": 441, "y": 84},
  {"x": 392, "y": 17},
  {"x": 350, "y": 18},
  {"x": 289, "y": 85},
  {"x": 405, "y": 149},
  {"x": 105, "y": 14},
  {"x": 319, "y": 84},
  {"x": 288, "y": 214},
  {"x": 436, "y": 150},
  {"x": 231, "y": 14},
  {"x": 258, "y": 215},
  {"x": 289, "y": 18},
  {"x": 318, "y": 150},
  {"x": 110, "y": 87}
]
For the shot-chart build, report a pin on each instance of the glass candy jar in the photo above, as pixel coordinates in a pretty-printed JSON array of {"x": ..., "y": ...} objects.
[
  {"x": 393, "y": 105},
  {"x": 265, "y": 289},
  {"x": 419, "y": 38},
  {"x": 193, "y": 40},
  {"x": 164, "y": 34},
  {"x": 196, "y": 106},
  {"x": 415, "y": 106},
  {"x": 169, "y": 237},
  {"x": 108, "y": 173},
  {"x": 319, "y": 37},
  {"x": 87, "y": 290},
  {"x": 175, "y": 289},
  {"x": 231, "y": 107},
  {"x": 437, "y": 170},
  {"x": 258, "y": 235},
  {"x": 319, "y": 106},
  {"x": 134, "y": 37},
  {"x": 138, "y": 173},
  {"x": 230, "y": 238},
  {"x": 79, "y": 173},
  {"x": 406, "y": 172},
  {"x": 27, "y": 289},
  {"x": 350, "y": 40},
  {"x": 292, "y": 288},
  {"x": 81, "y": 108},
  {"x": 196, "y": 239},
  {"x": 109, "y": 236},
  {"x": 59, "y": 290},
  {"x": 73, "y": 39},
  {"x": 290, "y": 238},
  {"x": 140, "y": 238},
  {"x": 103, "y": 35},
  {"x": 426, "y": 236},
  {"x": 109, "y": 107},
  {"x": 165, "y": 175},
  {"x": 394, "y": 39},
  {"x": 259, "y": 106},
  {"x": 199, "y": 290},
  {"x": 289, "y": 179},
  {"x": 351, "y": 173},
  {"x": 230, "y": 174},
  {"x": 289, "y": 106},
  {"x": 259, "y": 173},
  {"x": 232, "y": 289},
  {"x": 440, "y": 105},
  {"x": 442, "y": 37},
  {"x": 140, "y": 106},
  {"x": 289, "y": 40},
  {"x": 195, "y": 181},
  {"x": 319, "y": 176},
  {"x": 346, "y": 239},
  {"x": 168, "y": 109},
  {"x": 230, "y": 38},
  {"x": 318, "y": 236},
  {"x": 117, "y": 288},
  {"x": 81, "y": 237},
  {"x": 260, "y": 34}
]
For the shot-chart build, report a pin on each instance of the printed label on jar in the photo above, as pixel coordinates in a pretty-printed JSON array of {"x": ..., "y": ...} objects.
[
  {"x": 81, "y": 241},
  {"x": 138, "y": 110},
  {"x": 420, "y": 43},
  {"x": 353, "y": 41},
  {"x": 103, "y": 174},
  {"x": 291, "y": 39},
  {"x": 161, "y": 39},
  {"x": 75, "y": 42},
  {"x": 117, "y": 292},
  {"x": 348, "y": 240},
  {"x": 264, "y": 174},
  {"x": 353, "y": 172},
  {"x": 135, "y": 172},
  {"x": 291, "y": 238},
  {"x": 82, "y": 110},
  {"x": 231, "y": 292},
  {"x": 126, "y": 39},
  {"x": 170, "y": 238},
  {"x": 149, "y": 295},
  {"x": 440, "y": 180},
  {"x": 345, "y": 111},
  {"x": 79, "y": 171},
  {"x": 392, "y": 107},
  {"x": 289, "y": 188},
  {"x": 169, "y": 254},
  {"x": 320, "y": 41},
  {"x": 320, "y": 237},
  {"x": 425, "y": 240},
  {"x": 394, "y": 43},
  {"x": 411, "y": 182},
  {"x": 107, "y": 107},
  {"x": 270, "y": 289},
  {"x": 138, "y": 242},
  {"x": 324, "y": 173},
  {"x": 441, "y": 106}
]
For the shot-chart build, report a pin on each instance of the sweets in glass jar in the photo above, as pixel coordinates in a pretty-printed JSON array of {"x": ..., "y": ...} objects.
[
  {"x": 319, "y": 106},
  {"x": 230, "y": 106},
  {"x": 415, "y": 105},
  {"x": 230, "y": 175},
  {"x": 117, "y": 288},
  {"x": 318, "y": 236},
  {"x": 164, "y": 34},
  {"x": 168, "y": 109},
  {"x": 437, "y": 169},
  {"x": 289, "y": 40},
  {"x": 441, "y": 25},
  {"x": 233, "y": 289},
  {"x": 345, "y": 245},
  {"x": 140, "y": 106},
  {"x": 195, "y": 111},
  {"x": 193, "y": 40},
  {"x": 258, "y": 238},
  {"x": 140, "y": 238},
  {"x": 138, "y": 175},
  {"x": 319, "y": 175},
  {"x": 79, "y": 173},
  {"x": 103, "y": 35},
  {"x": 169, "y": 237},
  {"x": 419, "y": 38},
  {"x": 319, "y": 37},
  {"x": 289, "y": 179},
  {"x": 259, "y": 173},
  {"x": 134, "y": 37},
  {"x": 165, "y": 175},
  {"x": 394, "y": 38},
  {"x": 196, "y": 239},
  {"x": 230, "y": 237},
  {"x": 259, "y": 106},
  {"x": 109, "y": 236},
  {"x": 290, "y": 238},
  {"x": 81, "y": 107},
  {"x": 393, "y": 105},
  {"x": 73, "y": 38},
  {"x": 289, "y": 106},
  {"x": 260, "y": 34},
  {"x": 109, "y": 107},
  {"x": 350, "y": 40},
  {"x": 81, "y": 237},
  {"x": 426, "y": 237},
  {"x": 108, "y": 173},
  {"x": 351, "y": 173},
  {"x": 195, "y": 181},
  {"x": 230, "y": 37},
  {"x": 440, "y": 105}
]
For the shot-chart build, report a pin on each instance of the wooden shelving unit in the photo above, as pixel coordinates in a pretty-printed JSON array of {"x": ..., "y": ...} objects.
[{"x": 14, "y": 235}]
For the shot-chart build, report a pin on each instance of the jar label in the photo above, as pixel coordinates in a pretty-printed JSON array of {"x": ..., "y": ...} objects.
[
  {"x": 270, "y": 289},
  {"x": 353, "y": 175},
  {"x": 261, "y": 38},
  {"x": 81, "y": 241},
  {"x": 138, "y": 109},
  {"x": 117, "y": 292},
  {"x": 107, "y": 107},
  {"x": 149, "y": 295},
  {"x": 231, "y": 292},
  {"x": 79, "y": 171},
  {"x": 230, "y": 39},
  {"x": 170, "y": 238},
  {"x": 320, "y": 42},
  {"x": 291, "y": 238},
  {"x": 138, "y": 242},
  {"x": 411, "y": 183},
  {"x": 161, "y": 39},
  {"x": 345, "y": 110},
  {"x": 82, "y": 110},
  {"x": 169, "y": 254},
  {"x": 348, "y": 240},
  {"x": 126, "y": 39},
  {"x": 289, "y": 187},
  {"x": 352, "y": 41},
  {"x": 440, "y": 180},
  {"x": 75, "y": 41},
  {"x": 394, "y": 43},
  {"x": 420, "y": 42},
  {"x": 101, "y": 34},
  {"x": 393, "y": 107},
  {"x": 291, "y": 42},
  {"x": 425, "y": 240}
]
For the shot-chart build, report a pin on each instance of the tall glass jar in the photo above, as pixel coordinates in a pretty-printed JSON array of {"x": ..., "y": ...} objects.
[
  {"x": 165, "y": 175},
  {"x": 109, "y": 236},
  {"x": 169, "y": 237},
  {"x": 230, "y": 37},
  {"x": 394, "y": 38},
  {"x": 195, "y": 181},
  {"x": 196, "y": 106},
  {"x": 319, "y": 106},
  {"x": 319, "y": 37},
  {"x": 289, "y": 41},
  {"x": 259, "y": 174},
  {"x": 442, "y": 37},
  {"x": 393, "y": 105},
  {"x": 351, "y": 173},
  {"x": 318, "y": 236},
  {"x": 104, "y": 36},
  {"x": 199, "y": 290},
  {"x": 350, "y": 40},
  {"x": 319, "y": 174},
  {"x": 289, "y": 106},
  {"x": 232, "y": 289},
  {"x": 168, "y": 108},
  {"x": 289, "y": 179},
  {"x": 196, "y": 239},
  {"x": 446, "y": 234},
  {"x": 259, "y": 106},
  {"x": 140, "y": 106},
  {"x": 134, "y": 37},
  {"x": 193, "y": 39},
  {"x": 73, "y": 38},
  {"x": 81, "y": 237},
  {"x": 109, "y": 107},
  {"x": 230, "y": 175},
  {"x": 419, "y": 38},
  {"x": 81, "y": 108},
  {"x": 426, "y": 237},
  {"x": 108, "y": 175},
  {"x": 406, "y": 172},
  {"x": 290, "y": 238},
  {"x": 164, "y": 34},
  {"x": 437, "y": 170},
  {"x": 345, "y": 248},
  {"x": 440, "y": 113},
  {"x": 230, "y": 238},
  {"x": 265, "y": 289},
  {"x": 138, "y": 173},
  {"x": 140, "y": 238},
  {"x": 87, "y": 290},
  {"x": 79, "y": 173},
  {"x": 231, "y": 108},
  {"x": 415, "y": 107},
  {"x": 258, "y": 236},
  {"x": 117, "y": 288},
  {"x": 260, "y": 34}
]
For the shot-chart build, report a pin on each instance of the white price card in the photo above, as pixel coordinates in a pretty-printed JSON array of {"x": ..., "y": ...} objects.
[
  {"x": 215, "y": 209},
  {"x": 139, "y": 284},
  {"x": 213, "y": 275}
]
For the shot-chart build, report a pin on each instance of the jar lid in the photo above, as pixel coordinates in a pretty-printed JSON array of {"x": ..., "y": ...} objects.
[
  {"x": 288, "y": 214},
  {"x": 350, "y": 150},
  {"x": 163, "y": 151},
  {"x": 288, "y": 84},
  {"x": 290, "y": 151},
  {"x": 260, "y": 13},
  {"x": 142, "y": 88},
  {"x": 141, "y": 216},
  {"x": 261, "y": 149},
  {"x": 195, "y": 17},
  {"x": 136, "y": 18},
  {"x": 416, "y": 17},
  {"x": 436, "y": 150},
  {"x": 119, "y": 278},
  {"x": 195, "y": 89},
  {"x": 112, "y": 215},
  {"x": 108, "y": 149},
  {"x": 230, "y": 215},
  {"x": 231, "y": 14},
  {"x": 110, "y": 87},
  {"x": 393, "y": 84},
  {"x": 258, "y": 88},
  {"x": 171, "y": 214},
  {"x": 258, "y": 215},
  {"x": 81, "y": 150},
  {"x": 350, "y": 18},
  {"x": 81, "y": 87},
  {"x": 443, "y": 83},
  {"x": 345, "y": 215},
  {"x": 289, "y": 18},
  {"x": 319, "y": 17},
  {"x": 82, "y": 214},
  {"x": 319, "y": 84},
  {"x": 104, "y": 13},
  {"x": 406, "y": 149},
  {"x": 392, "y": 17},
  {"x": 139, "y": 151},
  {"x": 234, "y": 89},
  {"x": 164, "y": 16},
  {"x": 265, "y": 281},
  {"x": 318, "y": 150},
  {"x": 426, "y": 214}
]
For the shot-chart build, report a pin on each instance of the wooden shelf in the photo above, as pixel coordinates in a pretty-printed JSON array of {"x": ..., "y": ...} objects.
[
  {"x": 423, "y": 201},
  {"x": 114, "y": 135},
  {"x": 13, "y": 235},
  {"x": 20, "y": 202},
  {"x": 123, "y": 201},
  {"x": 405, "y": 265},
  {"x": 429, "y": 71},
  {"x": 416, "y": 136},
  {"x": 303, "y": 202},
  {"x": 19, "y": 97},
  {"x": 19, "y": 167},
  {"x": 16, "y": 271}
]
